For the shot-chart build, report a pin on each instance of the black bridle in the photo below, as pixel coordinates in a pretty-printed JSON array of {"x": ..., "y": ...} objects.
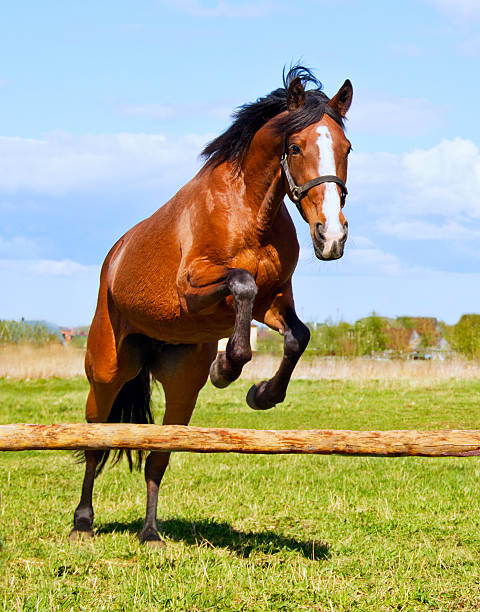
[{"x": 297, "y": 192}]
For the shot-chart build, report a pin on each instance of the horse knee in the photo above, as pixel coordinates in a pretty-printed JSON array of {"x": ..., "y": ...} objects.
[{"x": 242, "y": 285}]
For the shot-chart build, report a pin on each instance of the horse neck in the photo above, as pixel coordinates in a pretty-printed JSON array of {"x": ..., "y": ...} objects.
[{"x": 262, "y": 177}]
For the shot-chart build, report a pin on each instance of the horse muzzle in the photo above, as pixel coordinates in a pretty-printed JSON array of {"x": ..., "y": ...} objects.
[{"x": 329, "y": 245}]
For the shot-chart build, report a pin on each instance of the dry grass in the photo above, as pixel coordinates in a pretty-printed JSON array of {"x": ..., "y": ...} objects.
[
  {"x": 263, "y": 367},
  {"x": 25, "y": 361},
  {"x": 28, "y": 362}
]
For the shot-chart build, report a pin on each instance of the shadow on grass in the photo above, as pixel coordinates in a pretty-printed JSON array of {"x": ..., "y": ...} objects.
[{"x": 222, "y": 535}]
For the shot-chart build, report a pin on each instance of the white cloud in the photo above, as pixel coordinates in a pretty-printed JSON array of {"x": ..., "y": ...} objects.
[
  {"x": 61, "y": 291},
  {"x": 423, "y": 230},
  {"x": 458, "y": 9},
  {"x": 469, "y": 45},
  {"x": 48, "y": 267},
  {"x": 374, "y": 113},
  {"x": 62, "y": 163},
  {"x": 361, "y": 258},
  {"x": 65, "y": 267},
  {"x": 18, "y": 246},
  {"x": 442, "y": 181}
]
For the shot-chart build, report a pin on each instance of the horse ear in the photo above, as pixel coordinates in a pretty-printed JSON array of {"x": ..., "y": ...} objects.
[
  {"x": 342, "y": 99},
  {"x": 295, "y": 94}
]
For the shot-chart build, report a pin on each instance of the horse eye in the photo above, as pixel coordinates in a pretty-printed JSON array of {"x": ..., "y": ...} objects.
[{"x": 295, "y": 149}]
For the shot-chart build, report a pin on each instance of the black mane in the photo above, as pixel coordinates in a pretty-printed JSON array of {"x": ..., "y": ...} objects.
[{"x": 233, "y": 144}]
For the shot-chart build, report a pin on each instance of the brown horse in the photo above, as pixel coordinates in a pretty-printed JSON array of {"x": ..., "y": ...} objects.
[{"x": 221, "y": 252}]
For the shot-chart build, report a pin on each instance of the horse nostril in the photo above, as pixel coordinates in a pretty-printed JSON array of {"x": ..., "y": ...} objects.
[{"x": 320, "y": 232}]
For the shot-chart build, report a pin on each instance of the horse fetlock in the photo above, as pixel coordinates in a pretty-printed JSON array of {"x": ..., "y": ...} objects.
[
  {"x": 225, "y": 370},
  {"x": 239, "y": 355},
  {"x": 216, "y": 375}
]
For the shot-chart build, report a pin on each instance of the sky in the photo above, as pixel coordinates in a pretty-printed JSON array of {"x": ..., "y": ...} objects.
[{"x": 105, "y": 107}]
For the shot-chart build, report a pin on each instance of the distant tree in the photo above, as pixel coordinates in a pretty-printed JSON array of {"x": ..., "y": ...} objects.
[
  {"x": 406, "y": 322},
  {"x": 16, "y": 332},
  {"x": 466, "y": 336},
  {"x": 335, "y": 339},
  {"x": 447, "y": 332},
  {"x": 269, "y": 341},
  {"x": 370, "y": 337}
]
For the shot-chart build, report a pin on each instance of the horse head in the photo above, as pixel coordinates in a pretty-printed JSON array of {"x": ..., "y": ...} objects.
[{"x": 314, "y": 162}]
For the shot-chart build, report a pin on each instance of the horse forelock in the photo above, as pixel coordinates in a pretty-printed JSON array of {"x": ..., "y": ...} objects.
[{"x": 233, "y": 144}]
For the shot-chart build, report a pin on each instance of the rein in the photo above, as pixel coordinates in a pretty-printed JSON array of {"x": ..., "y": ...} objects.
[{"x": 299, "y": 191}]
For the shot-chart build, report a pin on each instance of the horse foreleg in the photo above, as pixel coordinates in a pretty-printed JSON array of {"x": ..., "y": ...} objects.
[
  {"x": 227, "y": 367},
  {"x": 202, "y": 287},
  {"x": 282, "y": 317},
  {"x": 182, "y": 370}
]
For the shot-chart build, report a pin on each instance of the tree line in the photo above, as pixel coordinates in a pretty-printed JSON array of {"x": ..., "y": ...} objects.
[
  {"x": 369, "y": 336},
  {"x": 36, "y": 333},
  {"x": 377, "y": 336}
]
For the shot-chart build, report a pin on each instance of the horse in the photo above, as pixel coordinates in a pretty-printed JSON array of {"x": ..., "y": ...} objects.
[{"x": 218, "y": 254}]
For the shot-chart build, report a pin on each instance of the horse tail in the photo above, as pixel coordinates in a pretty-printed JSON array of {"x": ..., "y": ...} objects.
[{"x": 132, "y": 405}]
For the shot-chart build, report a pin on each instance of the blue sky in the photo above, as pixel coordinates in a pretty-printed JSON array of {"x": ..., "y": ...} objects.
[{"x": 105, "y": 107}]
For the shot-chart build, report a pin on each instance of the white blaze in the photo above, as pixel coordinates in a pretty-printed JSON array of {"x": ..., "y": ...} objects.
[{"x": 331, "y": 202}]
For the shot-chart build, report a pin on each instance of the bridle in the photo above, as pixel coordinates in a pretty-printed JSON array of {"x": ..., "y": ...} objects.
[{"x": 297, "y": 192}]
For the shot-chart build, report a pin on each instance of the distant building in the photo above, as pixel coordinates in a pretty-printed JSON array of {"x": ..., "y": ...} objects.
[
  {"x": 68, "y": 333},
  {"x": 417, "y": 338}
]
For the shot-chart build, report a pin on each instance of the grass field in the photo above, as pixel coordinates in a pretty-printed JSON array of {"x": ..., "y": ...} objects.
[{"x": 252, "y": 532}]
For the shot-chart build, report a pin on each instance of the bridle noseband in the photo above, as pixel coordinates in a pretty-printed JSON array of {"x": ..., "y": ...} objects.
[{"x": 299, "y": 191}]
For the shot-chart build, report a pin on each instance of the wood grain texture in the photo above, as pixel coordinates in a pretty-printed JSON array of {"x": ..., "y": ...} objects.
[{"x": 82, "y": 436}]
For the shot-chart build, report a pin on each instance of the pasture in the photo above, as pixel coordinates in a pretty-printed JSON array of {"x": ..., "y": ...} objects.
[{"x": 252, "y": 532}]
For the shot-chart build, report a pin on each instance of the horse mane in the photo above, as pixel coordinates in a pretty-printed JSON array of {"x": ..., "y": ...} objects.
[{"x": 233, "y": 144}]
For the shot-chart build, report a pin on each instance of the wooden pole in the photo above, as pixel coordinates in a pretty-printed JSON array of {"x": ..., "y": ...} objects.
[{"x": 93, "y": 436}]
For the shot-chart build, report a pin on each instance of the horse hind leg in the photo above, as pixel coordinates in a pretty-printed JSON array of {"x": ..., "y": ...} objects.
[
  {"x": 125, "y": 396},
  {"x": 182, "y": 371}
]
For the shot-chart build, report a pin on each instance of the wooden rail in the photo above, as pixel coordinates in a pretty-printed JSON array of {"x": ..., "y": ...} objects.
[{"x": 82, "y": 436}]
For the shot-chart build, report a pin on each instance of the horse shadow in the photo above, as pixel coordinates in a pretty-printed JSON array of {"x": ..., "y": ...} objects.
[{"x": 216, "y": 534}]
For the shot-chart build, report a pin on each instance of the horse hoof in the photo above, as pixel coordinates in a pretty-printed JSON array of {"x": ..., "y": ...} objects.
[
  {"x": 217, "y": 379},
  {"x": 257, "y": 397},
  {"x": 150, "y": 538},
  {"x": 79, "y": 536}
]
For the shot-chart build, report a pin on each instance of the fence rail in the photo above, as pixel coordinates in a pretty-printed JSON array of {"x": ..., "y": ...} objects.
[{"x": 93, "y": 436}]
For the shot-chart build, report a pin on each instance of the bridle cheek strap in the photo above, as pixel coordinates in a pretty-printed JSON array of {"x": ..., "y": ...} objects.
[{"x": 297, "y": 192}]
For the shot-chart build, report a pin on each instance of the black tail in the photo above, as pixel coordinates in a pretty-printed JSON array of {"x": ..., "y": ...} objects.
[{"x": 132, "y": 405}]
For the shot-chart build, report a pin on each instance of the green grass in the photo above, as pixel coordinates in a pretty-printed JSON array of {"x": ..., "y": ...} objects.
[{"x": 251, "y": 532}]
